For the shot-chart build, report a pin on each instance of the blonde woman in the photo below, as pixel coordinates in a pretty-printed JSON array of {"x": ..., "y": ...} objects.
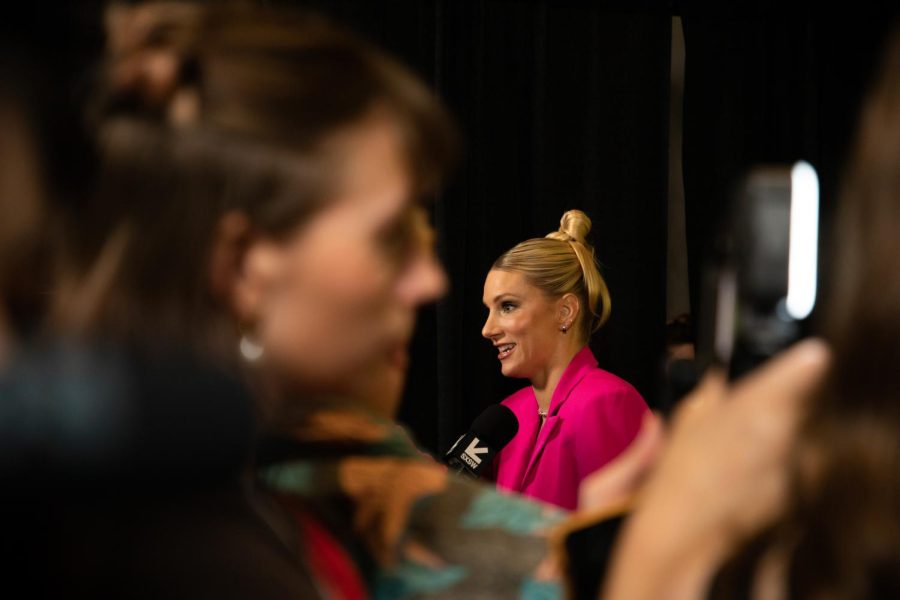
[{"x": 545, "y": 298}]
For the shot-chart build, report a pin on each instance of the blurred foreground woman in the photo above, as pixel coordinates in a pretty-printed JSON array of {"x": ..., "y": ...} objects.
[
  {"x": 93, "y": 443},
  {"x": 259, "y": 204}
]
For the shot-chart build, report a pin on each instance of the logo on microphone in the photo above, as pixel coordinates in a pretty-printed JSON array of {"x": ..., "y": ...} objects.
[{"x": 471, "y": 454}]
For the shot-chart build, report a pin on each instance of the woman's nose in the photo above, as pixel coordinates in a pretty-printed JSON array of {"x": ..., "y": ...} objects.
[
  {"x": 425, "y": 281},
  {"x": 489, "y": 330}
]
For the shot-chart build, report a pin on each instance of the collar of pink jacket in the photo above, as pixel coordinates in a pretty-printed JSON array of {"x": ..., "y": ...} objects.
[
  {"x": 593, "y": 416},
  {"x": 520, "y": 452},
  {"x": 581, "y": 365}
]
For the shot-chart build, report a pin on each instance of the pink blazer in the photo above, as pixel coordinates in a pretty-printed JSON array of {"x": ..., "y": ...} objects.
[{"x": 593, "y": 416}]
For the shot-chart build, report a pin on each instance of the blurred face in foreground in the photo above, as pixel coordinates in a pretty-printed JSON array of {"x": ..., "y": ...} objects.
[{"x": 335, "y": 302}]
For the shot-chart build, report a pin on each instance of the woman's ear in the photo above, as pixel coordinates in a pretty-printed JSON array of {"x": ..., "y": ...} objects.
[
  {"x": 568, "y": 309},
  {"x": 230, "y": 240},
  {"x": 241, "y": 266}
]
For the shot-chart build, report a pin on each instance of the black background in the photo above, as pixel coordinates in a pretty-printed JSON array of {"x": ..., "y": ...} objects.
[{"x": 565, "y": 105}]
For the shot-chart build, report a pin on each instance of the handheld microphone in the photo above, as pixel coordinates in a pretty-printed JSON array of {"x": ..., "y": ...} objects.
[{"x": 490, "y": 432}]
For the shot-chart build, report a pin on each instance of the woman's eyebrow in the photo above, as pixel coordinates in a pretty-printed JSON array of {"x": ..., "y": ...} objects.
[
  {"x": 395, "y": 220},
  {"x": 504, "y": 296}
]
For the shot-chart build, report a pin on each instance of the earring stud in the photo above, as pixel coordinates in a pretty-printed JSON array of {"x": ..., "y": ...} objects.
[{"x": 250, "y": 349}]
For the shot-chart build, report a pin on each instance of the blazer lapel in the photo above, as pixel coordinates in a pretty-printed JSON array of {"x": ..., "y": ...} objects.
[
  {"x": 546, "y": 432},
  {"x": 581, "y": 364}
]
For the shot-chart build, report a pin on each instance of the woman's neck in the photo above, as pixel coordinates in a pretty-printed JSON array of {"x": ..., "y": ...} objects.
[{"x": 544, "y": 382}]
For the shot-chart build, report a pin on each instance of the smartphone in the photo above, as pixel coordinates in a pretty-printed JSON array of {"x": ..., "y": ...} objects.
[{"x": 762, "y": 283}]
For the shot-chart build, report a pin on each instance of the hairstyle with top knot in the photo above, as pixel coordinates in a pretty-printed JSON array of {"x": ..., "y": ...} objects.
[{"x": 563, "y": 263}]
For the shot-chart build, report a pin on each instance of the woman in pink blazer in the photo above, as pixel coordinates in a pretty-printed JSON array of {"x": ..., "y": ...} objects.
[{"x": 546, "y": 297}]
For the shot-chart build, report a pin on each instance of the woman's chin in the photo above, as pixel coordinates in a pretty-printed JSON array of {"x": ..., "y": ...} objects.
[{"x": 510, "y": 370}]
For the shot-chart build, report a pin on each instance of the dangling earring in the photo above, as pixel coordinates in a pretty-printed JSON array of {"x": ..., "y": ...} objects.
[
  {"x": 250, "y": 349},
  {"x": 564, "y": 328}
]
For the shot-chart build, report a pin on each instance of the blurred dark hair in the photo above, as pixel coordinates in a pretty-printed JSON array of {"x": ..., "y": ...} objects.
[
  {"x": 848, "y": 508},
  {"x": 46, "y": 153},
  {"x": 842, "y": 533},
  {"x": 211, "y": 108}
]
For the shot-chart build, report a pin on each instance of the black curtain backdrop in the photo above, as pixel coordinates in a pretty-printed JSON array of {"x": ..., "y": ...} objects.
[
  {"x": 565, "y": 105},
  {"x": 562, "y": 105},
  {"x": 772, "y": 83}
]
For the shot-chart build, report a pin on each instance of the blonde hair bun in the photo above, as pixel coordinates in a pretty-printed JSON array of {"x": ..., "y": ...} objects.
[
  {"x": 574, "y": 226},
  {"x": 563, "y": 268}
]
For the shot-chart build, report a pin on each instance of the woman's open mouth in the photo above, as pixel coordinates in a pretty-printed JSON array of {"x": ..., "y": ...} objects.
[{"x": 505, "y": 350}]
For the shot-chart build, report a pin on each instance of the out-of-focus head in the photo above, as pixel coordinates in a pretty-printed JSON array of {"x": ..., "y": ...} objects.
[
  {"x": 845, "y": 524},
  {"x": 542, "y": 288},
  {"x": 864, "y": 320},
  {"x": 261, "y": 178}
]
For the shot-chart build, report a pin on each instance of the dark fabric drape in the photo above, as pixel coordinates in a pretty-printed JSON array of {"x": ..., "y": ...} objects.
[
  {"x": 767, "y": 85},
  {"x": 562, "y": 105}
]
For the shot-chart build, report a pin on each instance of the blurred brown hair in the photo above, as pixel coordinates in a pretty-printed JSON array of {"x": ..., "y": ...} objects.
[
  {"x": 46, "y": 156},
  {"x": 841, "y": 536},
  {"x": 849, "y": 504},
  {"x": 213, "y": 108}
]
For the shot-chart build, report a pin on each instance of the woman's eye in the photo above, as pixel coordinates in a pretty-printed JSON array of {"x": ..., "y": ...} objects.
[
  {"x": 507, "y": 306},
  {"x": 397, "y": 241},
  {"x": 407, "y": 235}
]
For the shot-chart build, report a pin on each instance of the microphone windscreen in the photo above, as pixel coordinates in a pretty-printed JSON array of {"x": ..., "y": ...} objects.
[{"x": 496, "y": 426}]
